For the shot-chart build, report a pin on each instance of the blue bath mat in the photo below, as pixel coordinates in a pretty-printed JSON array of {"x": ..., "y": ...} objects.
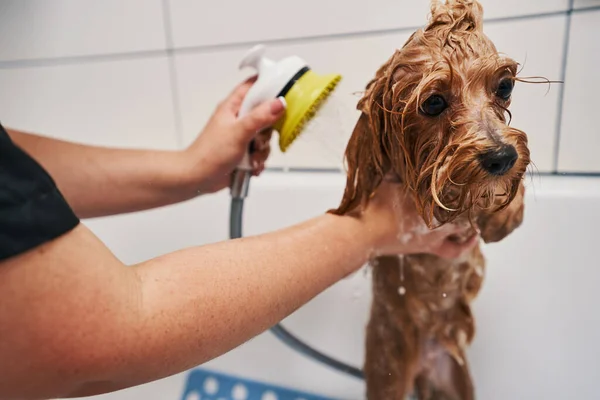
[{"x": 209, "y": 385}]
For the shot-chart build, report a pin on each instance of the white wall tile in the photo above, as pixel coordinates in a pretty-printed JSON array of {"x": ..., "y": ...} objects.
[
  {"x": 580, "y": 134},
  {"x": 114, "y": 103},
  {"x": 204, "y": 78},
  {"x": 197, "y": 24},
  {"x": 535, "y": 106},
  {"x": 31, "y": 29},
  {"x": 577, "y": 4},
  {"x": 512, "y": 8}
]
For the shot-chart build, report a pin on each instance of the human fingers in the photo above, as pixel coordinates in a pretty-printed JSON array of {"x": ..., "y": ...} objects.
[
  {"x": 260, "y": 118},
  {"x": 234, "y": 100}
]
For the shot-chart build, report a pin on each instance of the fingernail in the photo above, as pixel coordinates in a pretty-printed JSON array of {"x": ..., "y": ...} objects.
[{"x": 278, "y": 106}]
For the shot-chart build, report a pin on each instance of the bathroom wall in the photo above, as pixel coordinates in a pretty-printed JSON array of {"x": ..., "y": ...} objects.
[{"x": 148, "y": 73}]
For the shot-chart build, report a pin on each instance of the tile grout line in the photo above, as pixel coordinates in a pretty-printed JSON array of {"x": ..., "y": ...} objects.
[
  {"x": 177, "y": 115},
  {"x": 175, "y": 100},
  {"x": 84, "y": 59},
  {"x": 168, "y": 31},
  {"x": 561, "y": 93},
  {"x": 240, "y": 45},
  {"x": 584, "y": 9}
]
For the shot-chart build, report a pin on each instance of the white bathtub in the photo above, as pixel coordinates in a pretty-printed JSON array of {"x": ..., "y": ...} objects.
[{"x": 537, "y": 315}]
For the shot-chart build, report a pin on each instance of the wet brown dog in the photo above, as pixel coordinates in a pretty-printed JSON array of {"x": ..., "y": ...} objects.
[{"x": 435, "y": 116}]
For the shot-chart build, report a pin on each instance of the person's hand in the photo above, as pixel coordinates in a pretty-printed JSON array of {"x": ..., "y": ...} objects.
[
  {"x": 221, "y": 145},
  {"x": 391, "y": 216}
]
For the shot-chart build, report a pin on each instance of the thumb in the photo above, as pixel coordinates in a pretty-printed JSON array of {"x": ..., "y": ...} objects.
[{"x": 261, "y": 117}]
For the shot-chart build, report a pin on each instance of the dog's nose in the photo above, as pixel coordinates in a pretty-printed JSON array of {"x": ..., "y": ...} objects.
[{"x": 500, "y": 161}]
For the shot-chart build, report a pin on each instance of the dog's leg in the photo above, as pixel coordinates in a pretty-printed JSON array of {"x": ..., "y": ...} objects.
[
  {"x": 386, "y": 362},
  {"x": 392, "y": 341},
  {"x": 446, "y": 378},
  {"x": 445, "y": 373}
]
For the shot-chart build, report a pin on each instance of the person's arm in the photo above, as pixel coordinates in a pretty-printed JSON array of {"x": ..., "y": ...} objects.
[
  {"x": 99, "y": 181},
  {"x": 75, "y": 321}
]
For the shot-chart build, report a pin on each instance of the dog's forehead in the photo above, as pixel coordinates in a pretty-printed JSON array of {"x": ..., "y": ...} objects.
[
  {"x": 440, "y": 43},
  {"x": 467, "y": 53}
]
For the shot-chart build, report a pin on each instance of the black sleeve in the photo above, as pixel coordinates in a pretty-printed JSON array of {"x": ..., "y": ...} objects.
[{"x": 32, "y": 210}]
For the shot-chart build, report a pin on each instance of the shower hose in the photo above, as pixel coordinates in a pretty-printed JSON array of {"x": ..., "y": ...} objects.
[{"x": 235, "y": 231}]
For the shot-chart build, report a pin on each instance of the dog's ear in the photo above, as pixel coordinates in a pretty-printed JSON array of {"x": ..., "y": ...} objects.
[
  {"x": 366, "y": 156},
  {"x": 377, "y": 146},
  {"x": 496, "y": 226},
  {"x": 364, "y": 166},
  {"x": 457, "y": 15}
]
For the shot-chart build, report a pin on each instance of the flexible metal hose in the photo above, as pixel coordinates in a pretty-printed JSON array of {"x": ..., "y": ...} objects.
[{"x": 235, "y": 231}]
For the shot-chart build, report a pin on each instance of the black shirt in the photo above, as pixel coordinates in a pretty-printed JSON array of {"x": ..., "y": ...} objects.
[{"x": 32, "y": 209}]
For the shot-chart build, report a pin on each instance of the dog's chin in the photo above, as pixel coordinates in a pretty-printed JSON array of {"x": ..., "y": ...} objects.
[{"x": 464, "y": 192}]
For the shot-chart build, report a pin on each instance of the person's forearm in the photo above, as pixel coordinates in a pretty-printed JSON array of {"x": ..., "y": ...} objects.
[
  {"x": 244, "y": 287},
  {"x": 100, "y": 181},
  {"x": 123, "y": 326},
  {"x": 194, "y": 311}
]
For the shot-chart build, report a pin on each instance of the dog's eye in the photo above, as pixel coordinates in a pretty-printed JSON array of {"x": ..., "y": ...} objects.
[
  {"x": 505, "y": 89},
  {"x": 434, "y": 105}
]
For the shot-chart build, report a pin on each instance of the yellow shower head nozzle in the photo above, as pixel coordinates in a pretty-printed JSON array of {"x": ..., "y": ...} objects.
[
  {"x": 291, "y": 77},
  {"x": 304, "y": 98}
]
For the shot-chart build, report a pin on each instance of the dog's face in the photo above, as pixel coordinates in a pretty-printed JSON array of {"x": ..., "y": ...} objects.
[{"x": 436, "y": 116}]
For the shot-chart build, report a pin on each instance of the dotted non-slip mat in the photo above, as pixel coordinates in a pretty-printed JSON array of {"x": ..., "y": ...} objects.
[{"x": 209, "y": 385}]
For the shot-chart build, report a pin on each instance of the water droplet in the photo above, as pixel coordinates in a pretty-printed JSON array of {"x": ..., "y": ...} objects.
[
  {"x": 444, "y": 295},
  {"x": 401, "y": 290},
  {"x": 401, "y": 264}
]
